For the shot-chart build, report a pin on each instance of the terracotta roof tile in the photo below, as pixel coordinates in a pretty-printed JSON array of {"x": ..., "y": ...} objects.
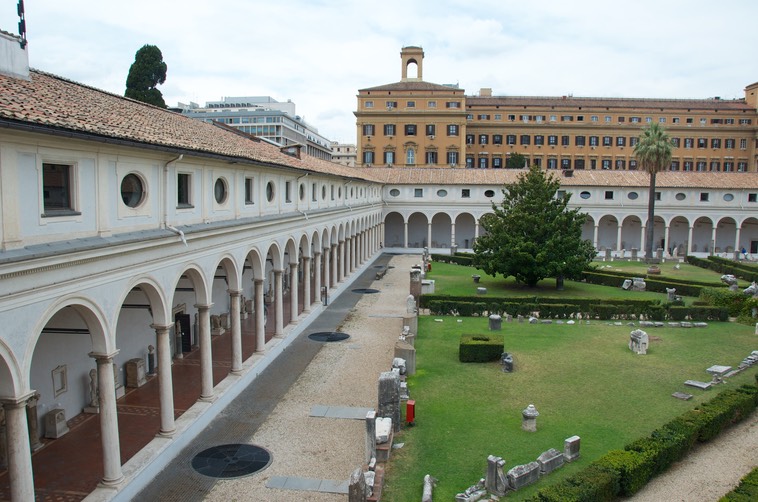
[{"x": 622, "y": 103}]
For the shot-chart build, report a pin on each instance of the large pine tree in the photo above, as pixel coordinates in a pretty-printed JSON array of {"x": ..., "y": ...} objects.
[
  {"x": 147, "y": 71},
  {"x": 533, "y": 234}
]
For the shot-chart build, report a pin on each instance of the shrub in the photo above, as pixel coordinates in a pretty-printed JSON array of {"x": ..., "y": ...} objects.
[
  {"x": 594, "y": 483},
  {"x": 746, "y": 491},
  {"x": 634, "y": 469},
  {"x": 480, "y": 348},
  {"x": 721, "y": 297}
]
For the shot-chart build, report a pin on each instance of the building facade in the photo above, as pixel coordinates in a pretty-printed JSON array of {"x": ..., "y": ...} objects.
[
  {"x": 564, "y": 132},
  {"x": 264, "y": 117},
  {"x": 344, "y": 154}
]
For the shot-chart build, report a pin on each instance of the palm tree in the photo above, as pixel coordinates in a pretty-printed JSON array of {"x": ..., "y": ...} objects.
[{"x": 653, "y": 151}]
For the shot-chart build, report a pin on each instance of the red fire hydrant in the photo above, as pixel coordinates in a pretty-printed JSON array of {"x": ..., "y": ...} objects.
[{"x": 410, "y": 412}]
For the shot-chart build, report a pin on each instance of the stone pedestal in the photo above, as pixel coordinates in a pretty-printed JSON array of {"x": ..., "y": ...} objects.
[
  {"x": 389, "y": 397},
  {"x": 357, "y": 489},
  {"x": 496, "y": 322},
  {"x": 31, "y": 417},
  {"x": 406, "y": 351},
  {"x": 55, "y": 424},
  {"x": 529, "y": 418},
  {"x": 135, "y": 373},
  {"x": 415, "y": 286},
  {"x": 571, "y": 448},
  {"x": 634, "y": 254},
  {"x": 370, "y": 436}
]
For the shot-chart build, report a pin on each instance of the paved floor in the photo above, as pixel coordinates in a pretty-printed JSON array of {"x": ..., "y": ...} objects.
[{"x": 179, "y": 482}]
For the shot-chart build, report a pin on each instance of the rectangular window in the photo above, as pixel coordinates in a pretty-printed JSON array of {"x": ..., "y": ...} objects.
[
  {"x": 560, "y": 194},
  {"x": 674, "y": 165},
  {"x": 675, "y": 120},
  {"x": 288, "y": 191},
  {"x": 552, "y": 163},
  {"x": 497, "y": 139},
  {"x": 715, "y": 166},
  {"x": 741, "y": 167},
  {"x": 418, "y": 192},
  {"x": 743, "y": 143},
  {"x": 567, "y": 118},
  {"x": 525, "y": 118},
  {"x": 606, "y": 164},
  {"x": 430, "y": 129},
  {"x": 314, "y": 190},
  {"x": 410, "y": 104},
  {"x": 714, "y": 121},
  {"x": 497, "y": 162},
  {"x": 482, "y": 162},
  {"x": 469, "y": 139},
  {"x": 620, "y": 164},
  {"x": 715, "y": 143},
  {"x": 621, "y": 120},
  {"x": 431, "y": 157},
  {"x": 594, "y": 140},
  {"x": 391, "y": 104},
  {"x": 564, "y": 141},
  {"x": 183, "y": 190},
  {"x": 662, "y": 120},
  {"x": 389, "y": 129},
  {"x": 701, "y": 165},
  {"x": 634, "y": 120},
  {"x": 746, "y": 121},
  {"x": 752, "y": 197},
  {"x": 608, "y": 119},
  {"x": 410, "y": 129},
  {"x": 675, "y": 142},
  {"x": 729, "y": 121},
  {"x": 580, "y": 118},
  {"x": 658, "y": 196},
  {"x": 368, "y": 104},
  {"x": 632, "y": 165},
  {"x": 728, "y": 166},
  {"x": 607, "y": 141},
  {"x": 620, "y": 141},
  {"x": 702, "y": 142},
  {"x": 57, "y": 195},
  {"x": 525, "y": 139},
  {"x": 483, "y": 117},
  {"x": 368, "y": 157},
  {"x": 689, "y": 120},
  {"x": 249, "y": 197},
  {"x": 510, "y": 139},
  {"x": 511, "y": 118},
  {"x": 729, "y": 143},
  {"x": 703, "y": 121},
  {"x": 539, "y": 139},
  {"x": 452, "y": 158},
  {"x": 688, "y": 165},
  {"x": 633, "y": 141},
  {"x": 469, "y": 161},
  {"x": 704, "y": 196},
  {"x": 368, "y": 129},
  {"x": 552, "y": 140},
  {"x": 453, "y": 104},
  {"x": 565, "y": 163},
  {"x": 465, "y": 193},
  {"x": 579, "y": 140},
  {"x": 389, "y": 157},
  {"x": 498, "y": 116},
  {"x": 452, "y": 130},
  {"x": 609, "y": 195},
  {"x": 431, "y": 104},
  {"x": 594, "y": 118},
  {"x": 689, "y": 142}
]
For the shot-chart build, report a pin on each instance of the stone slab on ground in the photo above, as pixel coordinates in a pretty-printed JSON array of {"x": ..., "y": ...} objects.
[
  {"x": 307, "y": 484},
  {"x": 699, "y": 385},
  {"x": 682, "y": 395},
  {"x": 347, "y": 412}
]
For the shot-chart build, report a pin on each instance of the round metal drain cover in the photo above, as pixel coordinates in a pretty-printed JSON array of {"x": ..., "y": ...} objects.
[
  {"x": 328, "y": 336},
  {"x": 365, "y": 291},
  {"x": 231, "y": 460}
]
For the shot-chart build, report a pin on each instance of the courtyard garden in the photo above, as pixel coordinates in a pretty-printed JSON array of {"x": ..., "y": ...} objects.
[{"x": 581, "y": 377}]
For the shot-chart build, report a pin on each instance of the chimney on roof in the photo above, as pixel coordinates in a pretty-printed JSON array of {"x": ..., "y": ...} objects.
[
  {"x": 485, "y": 92},
  {"x": 14, "y": 55},
  {"x": 292, "y": 150}
]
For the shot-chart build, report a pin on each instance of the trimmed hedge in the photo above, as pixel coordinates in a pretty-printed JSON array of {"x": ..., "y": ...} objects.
[
  {"x": 480, "y": 348},
  {"x": 734, "y": 301},
  {"x": 645, "y": 458},
  {"x": 459, "y": 259},
  {"x": 657, "y": 285},
  {"x": 746, "y": 491},
  {"x": 724, "y": 266}
]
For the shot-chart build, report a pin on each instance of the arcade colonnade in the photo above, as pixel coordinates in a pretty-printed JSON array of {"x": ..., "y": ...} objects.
[
  {"x": 694, "y": 233},
  {"x": 97, "y": 322}
]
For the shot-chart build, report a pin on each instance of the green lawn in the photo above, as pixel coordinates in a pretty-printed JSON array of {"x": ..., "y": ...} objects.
[
  {"x": 582, "y": 379},
  {"x": 455, "y": 280},
  {"x": 685, "y": 272}
]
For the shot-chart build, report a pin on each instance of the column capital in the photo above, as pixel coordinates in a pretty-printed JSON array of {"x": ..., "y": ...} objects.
[
  {"x": 103, "y": 357},
  {"x": 278, "y": 271},
  {"x": 234, "y": 292},
  {"x": 306, "y": 258},
  {"x": 17, "y": 401},
  {"x": 203, "y": 306},
  {"x": 334, "y": 246},
  {"x": 294, "y": 265},
  {"x": 258, "y": 281},
  {"x": 317, "y": 253}
]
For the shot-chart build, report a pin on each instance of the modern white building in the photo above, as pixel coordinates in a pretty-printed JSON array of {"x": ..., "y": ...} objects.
[
  {"x": 129, "y": 231},
  {"x": 265, "y": 117}
]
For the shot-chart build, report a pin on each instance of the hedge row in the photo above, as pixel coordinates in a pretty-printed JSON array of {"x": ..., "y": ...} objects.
[
  {"x": 480, "y": 348},
  {"x": 746, "y": 491},
  {"x": 628, "y": 275},
  {"x": 621, "y": 473},
  {"x": 656, "y": 285},
  {"x": 458, "y": 259},
  {"x": 582, "y": 303},
  {"x": 569, "y": 310},
  {"x": 724, "y": 266}
]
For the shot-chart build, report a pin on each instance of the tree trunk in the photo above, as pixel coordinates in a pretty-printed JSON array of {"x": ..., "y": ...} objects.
[{"x": 650, "y": 225}]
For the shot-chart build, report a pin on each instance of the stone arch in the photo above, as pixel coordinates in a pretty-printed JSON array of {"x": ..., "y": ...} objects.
[
  {"x": 465, "y": 229},
  {"x": 233, "y": 275},
  {"x": 256, "y": 262},
  {"x": 417, "y": 229},
  {"x": 155, "y": 295},
  {"x": 441, "y": 230},
  {"x": 394, "y": 230},
  {"x": 726, "y": 233},
  {"x": 277, "y": 255},
  {"x": 199, "y": 283},
  {"x": 607, "y": 233},
  {"x": 10, "y": 379},
  {"x": 702, "y": 229}
]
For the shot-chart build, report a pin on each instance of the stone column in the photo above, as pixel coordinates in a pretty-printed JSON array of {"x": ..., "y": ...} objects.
[
  {"x": 476, "y": 231},
  {"x": 341, "y": 262},
  {"x": 317, "y": 275},
  {"x": 327, "y": 270},
  {"x": 236, "y": 332},
  {"x": 206, "y": 356},
  {"x": 405, "y": 234},
  {"x": 689, "y": 241},
  {"x": 165, "y": 380},
  {"x": 452, "y": 234},
  {"x": 667, "y": 242},
  {"x": 595, "y": 235},
  {"x": 260, "y": 322},
  {"x": 355, "y": 253},
  {"x": 618, "y": 238},
  {"x": 294, "y": 293},
  {"x": 20, "y": 472},
  {"x": 335, "y": 275},
  {"x": 429, "y": 234},
  {"x": 712, "y": 244},
  {"x": 112, "y": 474},
  {"x": 642, "y": 240},
  {"x": 737, "y": 242},
  {"x": 279, "y": 304},
  {"x": 350, "y": 252},
  {"x": 307, "y": 284},
  {"x": 3, "y": 441}
]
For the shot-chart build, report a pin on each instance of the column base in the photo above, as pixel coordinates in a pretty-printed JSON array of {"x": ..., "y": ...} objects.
[
  {"x": 112, "y": 484},
  {"x": 207, "y": 399},
  {"x": 235, "y": 372},
  {"x": 166, "y": 434}
]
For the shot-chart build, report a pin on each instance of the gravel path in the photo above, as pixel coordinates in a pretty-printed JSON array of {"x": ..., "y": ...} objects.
[{"x": 346, "y": 374}]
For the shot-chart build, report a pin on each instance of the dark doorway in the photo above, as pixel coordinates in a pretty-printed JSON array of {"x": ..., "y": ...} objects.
[{"x": 185, "y": 323}]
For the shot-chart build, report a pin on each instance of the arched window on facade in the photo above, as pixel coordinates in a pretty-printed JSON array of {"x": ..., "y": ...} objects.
[{"x": 410, "y": 156}]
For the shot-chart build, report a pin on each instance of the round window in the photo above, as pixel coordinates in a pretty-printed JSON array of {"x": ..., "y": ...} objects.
[
  {"x": 302, "y": 191},
  {"x": 680, "y": 196},
  {"x": 270, "y": 191},
  {"x": 394, "y": 192},
  {"x": 132, "y": 190},
  {"x": 584, "y": 195},
  {"x": 489, "y": 193},
  {"x": 633, "y": 195},
  {"x": 728, "y": 197},
  {"x": 219, "y": 191},
  {"x": 442, "y": 193}
]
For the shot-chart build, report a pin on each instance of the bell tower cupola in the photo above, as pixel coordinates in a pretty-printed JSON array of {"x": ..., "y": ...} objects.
[{"x": 413, "y": 58}]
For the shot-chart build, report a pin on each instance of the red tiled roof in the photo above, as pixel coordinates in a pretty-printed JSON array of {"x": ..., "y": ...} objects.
[
  {"x": 410, "y": 85},
  {"x": 53, "y": 102},
  {"x": 624, "y": 103},
  {"x": 668, "y": 179}
]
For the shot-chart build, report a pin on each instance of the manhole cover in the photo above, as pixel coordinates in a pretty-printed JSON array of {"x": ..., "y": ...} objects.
[
  {"x": 365, "y": 291},
  {"x": 328, "y": 336},
  {"x": 231, "y": 460}
]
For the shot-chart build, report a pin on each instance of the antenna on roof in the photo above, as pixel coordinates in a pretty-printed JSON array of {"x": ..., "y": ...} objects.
[{"x": 21, "y": 23}]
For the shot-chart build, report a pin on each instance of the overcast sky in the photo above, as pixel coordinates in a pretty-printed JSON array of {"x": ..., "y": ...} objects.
[{"x": 318, "y": 53}]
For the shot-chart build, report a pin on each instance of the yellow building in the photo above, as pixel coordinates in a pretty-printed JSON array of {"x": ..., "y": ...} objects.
[{"x": 439, "y": 126}]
